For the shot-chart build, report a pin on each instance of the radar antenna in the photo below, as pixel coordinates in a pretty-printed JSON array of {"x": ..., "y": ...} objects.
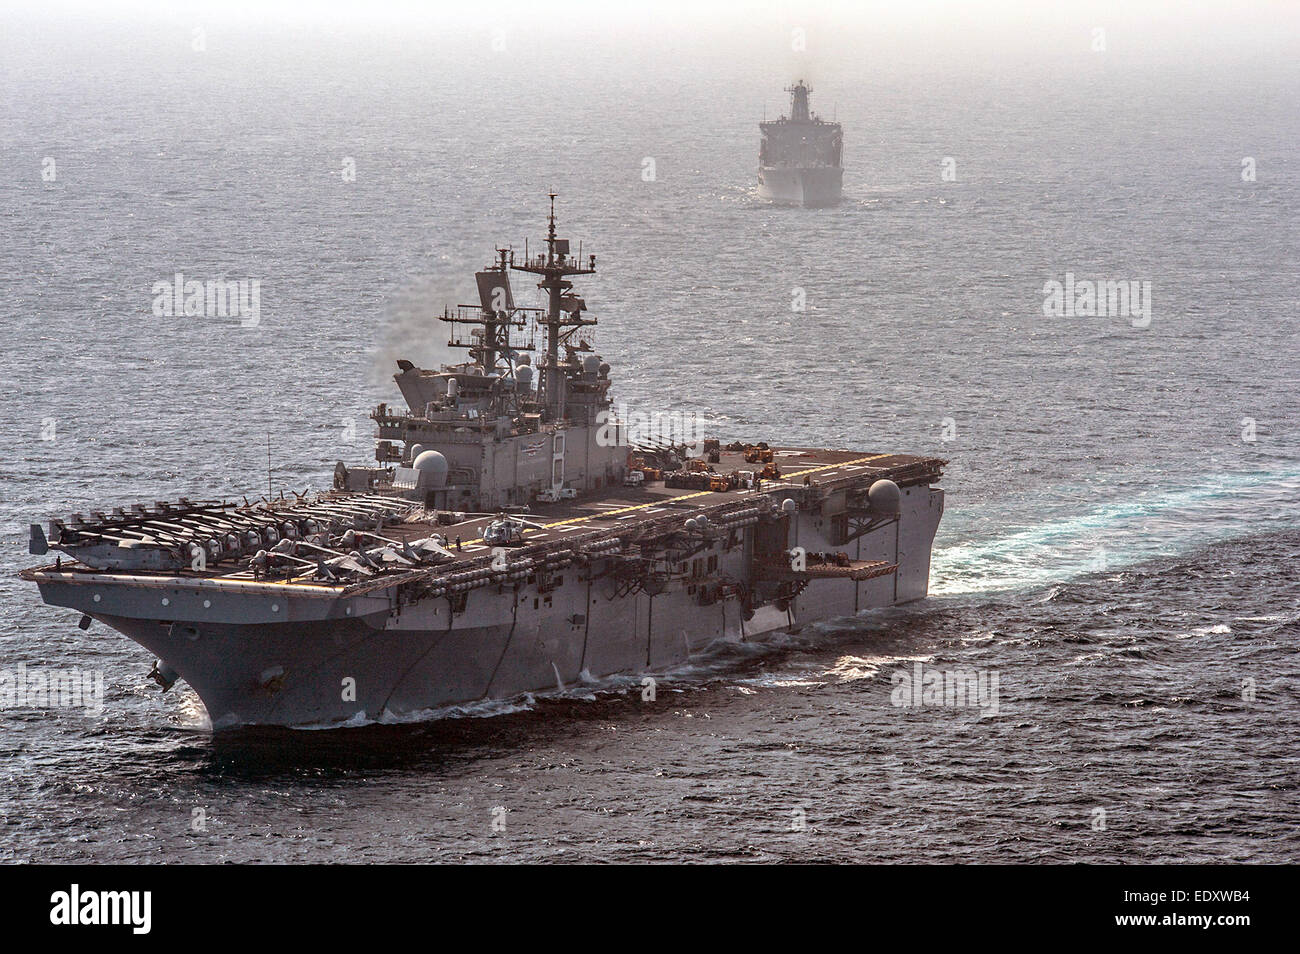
[{"x": 563, "y": 314}]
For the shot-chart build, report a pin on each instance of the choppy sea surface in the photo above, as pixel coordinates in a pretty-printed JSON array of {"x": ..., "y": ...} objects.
[{"x": 1123, "y": 517}]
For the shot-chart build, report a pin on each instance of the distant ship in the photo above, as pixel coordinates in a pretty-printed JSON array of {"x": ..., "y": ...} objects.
[
  {"x": 511, "y": 539},
  {"x": 799, "y": 158}
]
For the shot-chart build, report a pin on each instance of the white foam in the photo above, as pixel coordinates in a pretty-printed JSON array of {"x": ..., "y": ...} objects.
[
  {"x": 858, "y": 668},
  {"x": 1120, "y": 534}
]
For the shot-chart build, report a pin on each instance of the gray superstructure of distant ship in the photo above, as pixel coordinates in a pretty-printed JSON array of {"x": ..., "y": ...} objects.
[
  {"x": 508, "y": 541},
  {"x": 800, "y": 156}
]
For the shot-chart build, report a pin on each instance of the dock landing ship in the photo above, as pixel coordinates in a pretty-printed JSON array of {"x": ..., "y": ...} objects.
[
  {"x": 507, "y": 538},
  {"x": 799, "y": 156}
]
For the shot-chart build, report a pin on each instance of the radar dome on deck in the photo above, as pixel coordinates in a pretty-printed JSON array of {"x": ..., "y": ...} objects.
[
  {"x": 524, "y": 375},
  {"x": 884, "y": 496},
  {"x": 434, "y": 465},
  {"x": 525, "y": 360},
  {"x": 590, "y": 364}
]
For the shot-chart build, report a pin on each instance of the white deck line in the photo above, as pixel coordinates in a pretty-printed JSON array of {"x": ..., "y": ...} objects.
[{"x": 225, "y": 583}]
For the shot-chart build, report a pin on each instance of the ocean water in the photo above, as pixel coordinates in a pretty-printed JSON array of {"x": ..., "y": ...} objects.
[{"x": 1123, "y": 515}]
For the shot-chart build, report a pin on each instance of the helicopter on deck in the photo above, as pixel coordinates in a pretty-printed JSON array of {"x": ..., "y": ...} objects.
[{"x": 508, "y": 530}]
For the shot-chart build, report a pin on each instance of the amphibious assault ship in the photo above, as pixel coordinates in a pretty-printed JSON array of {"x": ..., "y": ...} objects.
[
  {"x": 799, "y": 156},
  {"x": 507, "y": 538}
]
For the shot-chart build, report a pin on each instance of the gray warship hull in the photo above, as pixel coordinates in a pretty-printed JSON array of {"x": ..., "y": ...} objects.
[
  {"x": 810, "y": 187},
  {"x": 800, "y": 156},
  {"x": 308, "y": 654},
  {"x": 515, "y": 538}
]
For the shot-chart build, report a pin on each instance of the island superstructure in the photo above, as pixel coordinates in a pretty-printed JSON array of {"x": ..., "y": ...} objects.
[
  {"x": 800, "y": 156},
  {"x": 508, "y": 538}
]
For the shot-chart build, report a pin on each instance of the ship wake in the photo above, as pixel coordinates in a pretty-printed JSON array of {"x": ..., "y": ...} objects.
[{"x": 1120, "y": 534}]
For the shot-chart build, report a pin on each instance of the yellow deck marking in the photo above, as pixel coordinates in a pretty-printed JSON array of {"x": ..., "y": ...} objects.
[
  {"x": 699, "y": 493},
  {"x": 846, "y": 463},
  {"x": 609, "y": 513}
]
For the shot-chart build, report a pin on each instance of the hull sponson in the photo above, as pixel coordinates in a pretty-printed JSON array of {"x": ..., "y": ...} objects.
[
  {"x": 810, "y": 186},
  {"x": 295, "y": 650}
]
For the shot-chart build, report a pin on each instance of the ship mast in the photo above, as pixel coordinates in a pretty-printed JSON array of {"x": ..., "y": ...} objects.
[
  {"x": 496, "y": 337},
  {"x": 799, "y": 112},
  {"x": 493, "y": 319},
  {"x": 555, "y": 266}
]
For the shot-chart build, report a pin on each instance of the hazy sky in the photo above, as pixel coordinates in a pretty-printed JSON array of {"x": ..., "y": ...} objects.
[
  {"x": 947, "y": 33},
  {"x": 1170, "y": 17}
]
